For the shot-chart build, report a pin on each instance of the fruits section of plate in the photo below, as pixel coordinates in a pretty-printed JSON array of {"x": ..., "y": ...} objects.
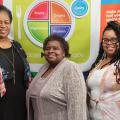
[{"x": 44, "y": 18}]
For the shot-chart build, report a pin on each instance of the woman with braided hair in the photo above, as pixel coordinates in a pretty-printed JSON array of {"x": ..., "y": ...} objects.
[{"x": 103, "y": 81}]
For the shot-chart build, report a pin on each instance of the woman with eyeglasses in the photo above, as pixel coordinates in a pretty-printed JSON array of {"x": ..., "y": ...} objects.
[{"x": 104, "y": 78}]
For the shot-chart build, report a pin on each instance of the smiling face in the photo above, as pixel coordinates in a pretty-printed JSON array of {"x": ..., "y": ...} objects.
[
  {"x": 54, "y": 52},
  {"x": 110, "y": 43},
  {"x": 4, "y": 25}
]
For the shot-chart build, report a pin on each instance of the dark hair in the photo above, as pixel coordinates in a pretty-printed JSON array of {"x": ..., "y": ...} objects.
[
  {"x": 64, "y": 44},
  {"x": 115, "y": 26},
  {"x": 5, "y": 9}
]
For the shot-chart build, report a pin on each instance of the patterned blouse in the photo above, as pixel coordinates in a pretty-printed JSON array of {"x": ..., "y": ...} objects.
[{"x": 5, "y": 75}]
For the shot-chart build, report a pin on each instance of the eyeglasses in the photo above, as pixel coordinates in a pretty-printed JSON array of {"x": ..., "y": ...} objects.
[{"x": 112, "y": 40}]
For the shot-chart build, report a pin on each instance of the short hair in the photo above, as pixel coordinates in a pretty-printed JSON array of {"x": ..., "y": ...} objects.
[
  {"x": 5, "y": 9},
  {"x": 64, "y": 44}
]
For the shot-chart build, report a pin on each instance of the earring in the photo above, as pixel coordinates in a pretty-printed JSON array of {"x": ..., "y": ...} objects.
[
  {"x": 104, "y": 56},
  {"x": 42, "y": 54}
]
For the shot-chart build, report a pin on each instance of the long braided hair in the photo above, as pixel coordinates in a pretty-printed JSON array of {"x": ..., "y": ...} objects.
[{"x": 112, "y": 25}]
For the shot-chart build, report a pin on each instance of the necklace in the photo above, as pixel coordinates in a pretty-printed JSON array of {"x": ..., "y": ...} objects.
[
  {"x": 11, "y": 63},
  {"x": 102, "y": 64}
]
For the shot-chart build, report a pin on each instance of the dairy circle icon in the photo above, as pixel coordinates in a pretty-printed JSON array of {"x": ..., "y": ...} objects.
[
  {"x": 79, "y": 8},
  {"x": 44, "y": 18}
]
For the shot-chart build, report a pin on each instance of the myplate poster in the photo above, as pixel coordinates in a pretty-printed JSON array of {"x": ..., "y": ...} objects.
[{"x": 80, "y": 22}]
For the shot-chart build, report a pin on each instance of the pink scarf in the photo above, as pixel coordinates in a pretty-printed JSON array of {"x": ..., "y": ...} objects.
[{"x": 2, "y": 85}]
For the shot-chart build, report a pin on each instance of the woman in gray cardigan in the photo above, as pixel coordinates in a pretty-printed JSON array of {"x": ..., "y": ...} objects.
[{"x": 58, "y": 92}]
